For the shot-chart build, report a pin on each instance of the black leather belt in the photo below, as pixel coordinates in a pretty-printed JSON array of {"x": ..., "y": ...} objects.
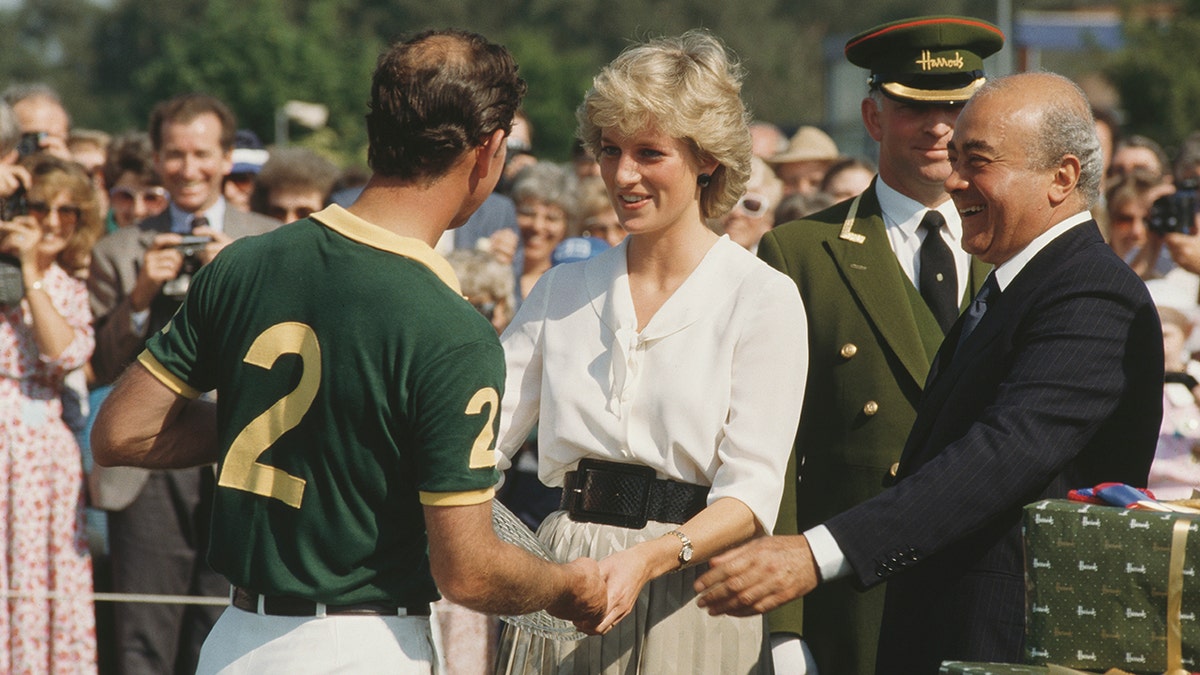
[
  {"x": 628, "y": 495},
  {"x": 281, "y": 605}
]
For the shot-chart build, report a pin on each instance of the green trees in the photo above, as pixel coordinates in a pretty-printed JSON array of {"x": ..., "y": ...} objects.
[
  {"x": 1157, "y": 74},
  {"x": 254, "y": 54},
  {"x": 113, "y": 59}
]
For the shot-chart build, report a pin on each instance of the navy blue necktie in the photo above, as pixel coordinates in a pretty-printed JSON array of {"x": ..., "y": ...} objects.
[
  {"x": 938, "y": 281},
  {"x": 979, "y": 306}
]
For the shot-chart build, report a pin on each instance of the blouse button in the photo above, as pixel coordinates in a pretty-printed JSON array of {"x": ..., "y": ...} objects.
[
  {"x": 849, "y": 350},
  {"x": 870, "y": 408}
]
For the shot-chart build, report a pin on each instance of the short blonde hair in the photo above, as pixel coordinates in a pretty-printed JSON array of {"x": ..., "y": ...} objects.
[{"x": 688, "y": 87}]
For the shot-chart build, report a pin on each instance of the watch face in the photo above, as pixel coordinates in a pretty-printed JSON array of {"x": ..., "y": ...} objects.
[{"x": 685, "y": 554}]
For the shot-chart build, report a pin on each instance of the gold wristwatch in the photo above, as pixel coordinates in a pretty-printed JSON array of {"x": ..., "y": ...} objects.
[{"x": 685, "y": 552}]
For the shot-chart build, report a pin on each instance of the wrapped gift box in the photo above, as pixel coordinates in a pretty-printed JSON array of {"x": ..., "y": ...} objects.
[
  {"x": 1097, "y": 587},
  {"x": 964, "y": 668}
]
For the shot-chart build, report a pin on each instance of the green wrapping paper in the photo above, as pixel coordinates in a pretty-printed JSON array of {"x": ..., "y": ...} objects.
[
  {"x": 964, "y": 668},
  {"x": 1098, "y": 581}
]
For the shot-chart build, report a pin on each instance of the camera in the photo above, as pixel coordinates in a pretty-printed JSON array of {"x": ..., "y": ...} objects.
[
  {"x": 1175, "y": 212},
  {"x": 16, "y": 204},
  {"x": 30, "y": 143},
  {"x": 190, "y": 247}
]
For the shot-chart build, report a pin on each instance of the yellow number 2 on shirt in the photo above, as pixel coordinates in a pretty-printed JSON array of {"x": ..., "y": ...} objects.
[
  {"x": 481, "y": 450},
  {"x": 242, "y": 470}
]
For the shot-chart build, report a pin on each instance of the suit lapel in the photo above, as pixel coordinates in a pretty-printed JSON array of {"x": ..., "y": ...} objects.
[
  {"x": 979, "y": 272},
  {"x": 949, "y": 365},
  {"x": 867, "y": 263}
]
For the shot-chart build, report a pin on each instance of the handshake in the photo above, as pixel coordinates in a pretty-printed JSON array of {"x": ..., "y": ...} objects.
[
  {"x": 519, "y": 575},
  {"x": 753, "y": 578},
  {"x": 597, "y": 595}
]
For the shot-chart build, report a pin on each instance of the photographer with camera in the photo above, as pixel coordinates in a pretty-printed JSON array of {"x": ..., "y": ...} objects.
[
  {"x": 44, "y": 121},
  {"x": 13, "y": 176},
  {"x": 1167, "y": 255},
  {"x": 45, "y": 332},
  {"x": 158, "y": 520}
]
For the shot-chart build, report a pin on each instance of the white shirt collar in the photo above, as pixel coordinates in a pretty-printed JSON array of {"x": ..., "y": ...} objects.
[
  {"x": 181, "y": 221},
  {"x": 905, "y": 213},
  {"x": 1009, "y": 269}
]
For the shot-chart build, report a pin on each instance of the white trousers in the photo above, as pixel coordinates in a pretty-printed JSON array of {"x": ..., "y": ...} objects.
[{"x": 242, "y": 643}]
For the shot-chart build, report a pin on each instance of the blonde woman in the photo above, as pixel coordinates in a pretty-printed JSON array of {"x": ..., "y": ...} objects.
[{"x": 666, "y": 366}]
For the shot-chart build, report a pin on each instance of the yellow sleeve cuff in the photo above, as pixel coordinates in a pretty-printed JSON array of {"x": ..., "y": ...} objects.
[
  {"x": 456, "y": 498},
  {"x": 165, "y": 376}
]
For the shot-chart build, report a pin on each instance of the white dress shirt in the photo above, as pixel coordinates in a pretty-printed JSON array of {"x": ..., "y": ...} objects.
[
  {"x": 708, "y": 392},
  {"x": 181, "y": 221},
  {"x": 902, "y": 216}
]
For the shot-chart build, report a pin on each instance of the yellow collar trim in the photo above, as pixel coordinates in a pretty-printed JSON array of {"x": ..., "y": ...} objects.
[
  {"x": 848, "y": 232},
  {"x": 351, "y": 226}
]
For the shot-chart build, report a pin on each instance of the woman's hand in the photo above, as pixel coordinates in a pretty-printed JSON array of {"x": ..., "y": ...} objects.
[
  {"x": 625, "y": 572},
  {"x": 22, "y": 238},
  {"x": 13, "y": 177}
]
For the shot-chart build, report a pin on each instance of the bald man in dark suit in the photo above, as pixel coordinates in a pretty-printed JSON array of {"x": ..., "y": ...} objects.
[{"x": 1050, "y": 381}]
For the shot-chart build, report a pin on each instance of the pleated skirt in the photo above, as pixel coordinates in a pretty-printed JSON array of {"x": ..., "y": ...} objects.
[{"x": 666, "y": 632}]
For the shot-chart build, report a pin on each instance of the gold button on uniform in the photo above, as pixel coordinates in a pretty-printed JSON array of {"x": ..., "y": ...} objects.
[
  {"x": 870, "y": 408},
  {"x": 894, "y": 469},
  {"x": 849, "y": 350}
]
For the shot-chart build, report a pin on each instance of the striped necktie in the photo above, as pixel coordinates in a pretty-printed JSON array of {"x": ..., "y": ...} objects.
[{"x": 979, "y": 306}]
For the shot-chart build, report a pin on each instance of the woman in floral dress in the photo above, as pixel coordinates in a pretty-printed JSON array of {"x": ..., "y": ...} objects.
[{"x": 47, "y": 622}]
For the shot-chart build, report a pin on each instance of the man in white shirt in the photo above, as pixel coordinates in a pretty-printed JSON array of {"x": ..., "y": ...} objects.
[
  {"x": 1048, "y": 382},
  {"x": 880, "y": 291},
  {"x": 158, "y": 522}
]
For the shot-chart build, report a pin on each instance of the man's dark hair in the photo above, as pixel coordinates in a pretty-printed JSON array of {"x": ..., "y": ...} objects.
[
  {"x": 187, "y": 107},
  {"x": 433, "y": 97},
  {"x": 131, "y": 153},
  {"x": 293, "y": 168}
]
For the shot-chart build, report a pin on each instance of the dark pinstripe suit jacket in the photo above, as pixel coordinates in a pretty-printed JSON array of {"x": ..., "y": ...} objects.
[{"x": 1060, "y": 386}]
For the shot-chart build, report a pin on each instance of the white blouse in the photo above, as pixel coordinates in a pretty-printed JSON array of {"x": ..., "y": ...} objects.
[{"x": 709, "y": 392}]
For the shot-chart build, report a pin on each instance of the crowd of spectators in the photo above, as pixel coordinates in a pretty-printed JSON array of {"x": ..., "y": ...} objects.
[
  {"x": 92, "y": 237},
  {"x": 1149, "y": 211}
]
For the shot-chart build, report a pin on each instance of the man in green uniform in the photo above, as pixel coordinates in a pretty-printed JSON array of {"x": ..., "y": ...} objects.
[
  {"x": 358, "y": 397},
  {"x": 880, "y": 290}
]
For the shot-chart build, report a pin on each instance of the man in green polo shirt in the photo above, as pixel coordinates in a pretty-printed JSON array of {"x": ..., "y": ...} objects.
[{"x": 358, "y": 397}]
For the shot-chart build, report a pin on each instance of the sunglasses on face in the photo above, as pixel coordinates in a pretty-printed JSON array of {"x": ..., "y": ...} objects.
[
  {"x": 152, "y": 197},
  {"x": 67, "y": 214},
  {"x": 753, "y": 204}
]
